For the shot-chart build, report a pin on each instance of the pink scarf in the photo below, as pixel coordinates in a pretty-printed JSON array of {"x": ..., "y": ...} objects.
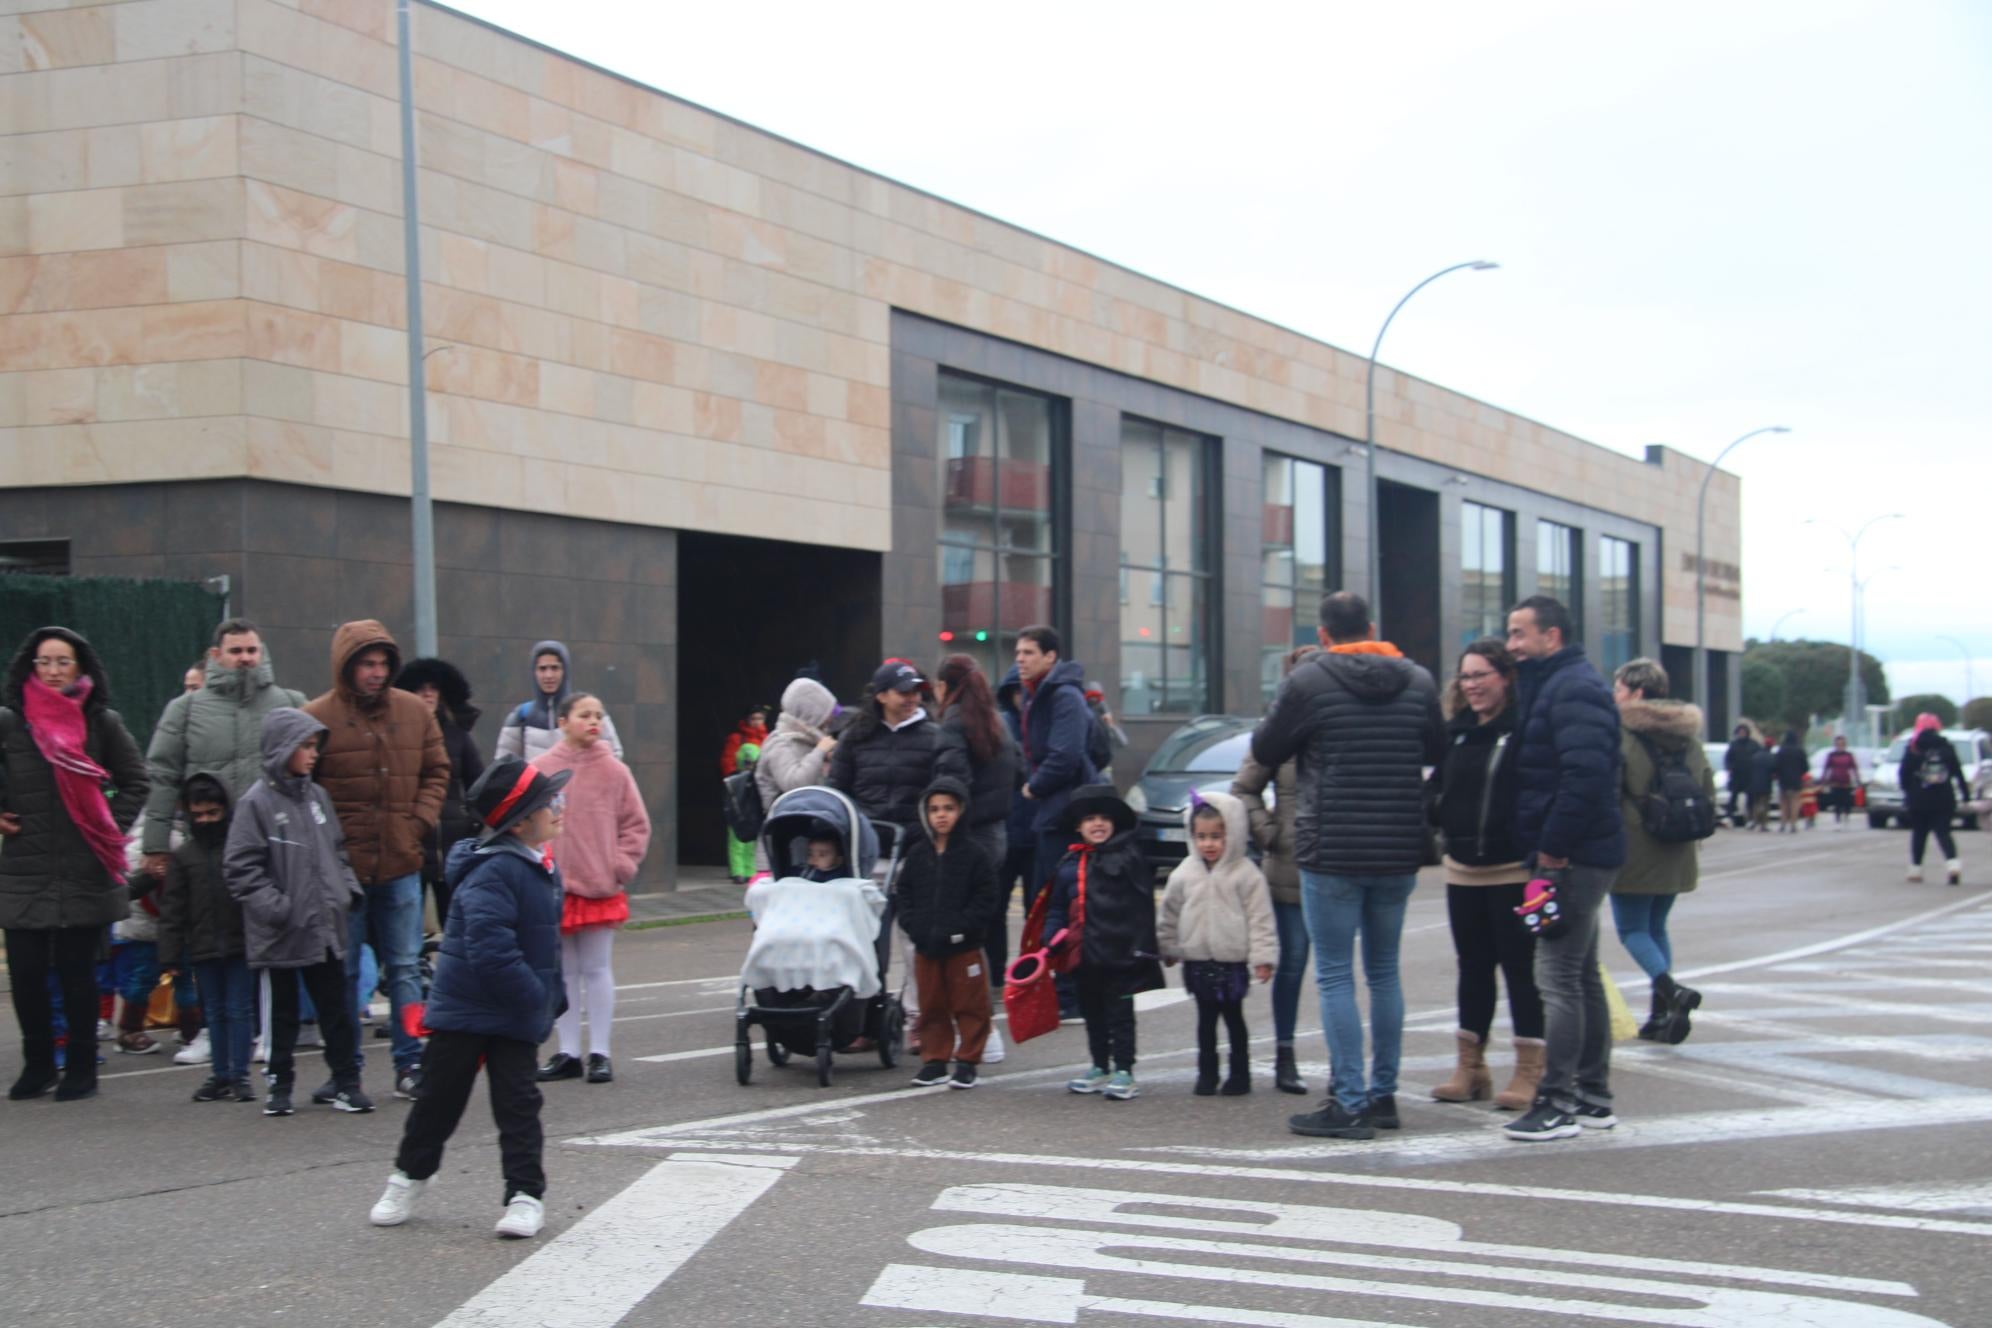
[{"x": 56, "y": 720}]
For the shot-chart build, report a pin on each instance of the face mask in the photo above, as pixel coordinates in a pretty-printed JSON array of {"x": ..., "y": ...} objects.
[{"x": 210, "y": 833}]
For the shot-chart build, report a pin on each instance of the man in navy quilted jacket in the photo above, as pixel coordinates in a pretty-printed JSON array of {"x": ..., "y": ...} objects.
[{"x": 1567, "y": 823}]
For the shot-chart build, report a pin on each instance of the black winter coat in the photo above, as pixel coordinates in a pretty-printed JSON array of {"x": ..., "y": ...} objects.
[
  {"x": 992, "y": 783},
  {"x": 885, "y": 770},
  {"x": 199, "y": 919},
  {"x": 945, "y": 900},
  {"x": 1568, "y": 763},
  {"x": 1021, "y": 829},
  {"x": 1476, "y": 790},
  {"x": 49, "y": 878},
  {"x": 1056, "y": 731},
  {"x": 1736, "y": 761},
  {"x": 1117, "y": 940},
  {"x": 1792, "y": 766},
  {"x": 1363, "y": 727},
  {"x": 1932, "y": 753},
  {"x": 466, "y": 764}
]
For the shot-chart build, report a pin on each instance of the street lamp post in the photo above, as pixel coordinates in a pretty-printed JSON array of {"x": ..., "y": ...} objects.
[
  {"x": 1369, "y": 435},
  {"x": 1970, "y": 691},
  {"x": 423, "y": 535},
  {"x": 1787, "y": 616},
  {"x": 1701, "y": 570},
  {"x": 1855, "y": 702}
]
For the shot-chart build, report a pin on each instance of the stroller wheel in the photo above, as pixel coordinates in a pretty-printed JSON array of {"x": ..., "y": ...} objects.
[
  {"x": 743, "y": 1060},
  {"x": 777, "y": 1053},
  {"x": 823, "y": 1065},
  {"x": 892, "y": 1034}
]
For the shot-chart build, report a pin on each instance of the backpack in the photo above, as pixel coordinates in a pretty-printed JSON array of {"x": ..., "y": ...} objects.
[
  {"x": 1674, "y": 809},
  {"x": 740, "y": 803}
]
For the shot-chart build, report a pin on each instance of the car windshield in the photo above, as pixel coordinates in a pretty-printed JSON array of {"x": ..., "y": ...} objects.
[
  {"x": 1199, "y": 750},
  {"x": 1900, "y": 748}
]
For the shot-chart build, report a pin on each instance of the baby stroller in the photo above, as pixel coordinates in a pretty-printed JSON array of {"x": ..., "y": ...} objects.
[{"x": 815, "y": 976}]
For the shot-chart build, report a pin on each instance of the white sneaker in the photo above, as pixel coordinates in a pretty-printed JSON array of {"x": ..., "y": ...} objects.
[
  {"x": 992, "y": 1051},
  {"x": 106, "y": 1030},
  {"x": 1915, "y": 874},
  {"x": 524, "y": 1217},
  {"x": 198, "y": 1052},
  {"x": 398, "y": 1202},
  {"x": 1954, "y": 871}
]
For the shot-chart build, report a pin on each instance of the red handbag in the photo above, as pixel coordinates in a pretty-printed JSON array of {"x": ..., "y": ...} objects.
[{"x": 1029, "y": 996}]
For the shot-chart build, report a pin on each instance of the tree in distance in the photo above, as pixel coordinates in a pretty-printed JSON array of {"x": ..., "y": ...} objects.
[
  {"x": 1815, "y": 679},
  {"x": 1978, "y": 713},
  {"x": 1909, "y": 707},
  {"x": 1763, "y": 691}
]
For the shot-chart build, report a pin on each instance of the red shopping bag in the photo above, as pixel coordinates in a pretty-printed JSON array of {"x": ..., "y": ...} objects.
[{"x": 1028, "y": 993}]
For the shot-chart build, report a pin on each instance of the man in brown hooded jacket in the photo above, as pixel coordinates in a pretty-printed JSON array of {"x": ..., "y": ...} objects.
[{"x": 388, "y": 772}]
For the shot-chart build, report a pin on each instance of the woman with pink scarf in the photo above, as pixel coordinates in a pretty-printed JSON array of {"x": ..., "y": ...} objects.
[{"x": 71, "y": 783}]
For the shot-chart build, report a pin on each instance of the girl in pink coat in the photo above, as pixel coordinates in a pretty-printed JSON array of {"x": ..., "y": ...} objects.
[{"x": 607, "y": 831}]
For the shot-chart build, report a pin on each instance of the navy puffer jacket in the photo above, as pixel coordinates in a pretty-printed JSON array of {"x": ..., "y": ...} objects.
[
  {"x": 1057, "y": 733},
  {"x": 498, "y": 973},
  {"x": 1363, "y": 726},
  {"x": 1567, "y": 767}
]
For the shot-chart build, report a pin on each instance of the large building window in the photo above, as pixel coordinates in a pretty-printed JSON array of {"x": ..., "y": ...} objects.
[
  {"x": 1486, "y": 583},
  {"x": 1618, "y": 602},
  {"x": 1559, "y": 559},
  {"x": 999, "y": 549},
  {"x": 1166, "y": 557},
  {"x": 1297, "y": 544}
]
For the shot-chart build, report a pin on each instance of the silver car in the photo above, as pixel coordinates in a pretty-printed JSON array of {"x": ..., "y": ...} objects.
[{"x": 1885, "y": 800}]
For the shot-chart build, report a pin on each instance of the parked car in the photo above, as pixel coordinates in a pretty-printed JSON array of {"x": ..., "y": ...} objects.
[
  {"x": 1885, "y": 801},
  {"x": 1201, "y": 756}
]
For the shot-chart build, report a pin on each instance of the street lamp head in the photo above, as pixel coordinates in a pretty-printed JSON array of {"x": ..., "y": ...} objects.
[
  {"x": 1777, "y": 428},
  {"x": 1484, "y": 265}
]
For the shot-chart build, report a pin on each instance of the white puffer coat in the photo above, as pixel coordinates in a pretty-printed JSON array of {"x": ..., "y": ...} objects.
[{"x": 1219, "y": 911}]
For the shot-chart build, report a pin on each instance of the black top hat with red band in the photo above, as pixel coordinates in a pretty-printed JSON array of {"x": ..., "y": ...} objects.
[{"x": 509, "y": 791}]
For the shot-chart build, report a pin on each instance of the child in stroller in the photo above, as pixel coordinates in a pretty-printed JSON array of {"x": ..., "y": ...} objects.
[{"x": 815, "y": 975}]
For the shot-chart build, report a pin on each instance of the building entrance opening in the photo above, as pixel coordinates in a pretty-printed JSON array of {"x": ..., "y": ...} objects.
[
  {"x": 1408, "y": 545},
  {"x": 751, "y": 614}
]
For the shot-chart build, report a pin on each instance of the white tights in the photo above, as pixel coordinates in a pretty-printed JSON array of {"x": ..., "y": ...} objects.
[{"x": 591, "y": 986}]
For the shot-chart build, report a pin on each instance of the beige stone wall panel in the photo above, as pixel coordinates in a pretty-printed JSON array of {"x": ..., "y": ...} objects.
[
  {"x": 290, "y": 37},
  {"x": 301, "y": 100},
  {"x": 59, "y": 39},
  {"x": 106, "y": 279},
  {"x": 192, "y": 211},
  {"x": 123, "y": 452},
  {"x": 290, "y": 219},
  {"x": 48, "y": 396},
  {"x": 163, "y": 28}
]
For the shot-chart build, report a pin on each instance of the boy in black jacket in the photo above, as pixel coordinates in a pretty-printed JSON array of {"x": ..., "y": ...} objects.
[
  {"x": 946, "y": 894},
  {"x": 200, "y": 931},
  {"x": 1105, "y": 887}
]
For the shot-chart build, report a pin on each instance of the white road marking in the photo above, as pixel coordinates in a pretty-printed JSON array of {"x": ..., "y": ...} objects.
[
  {"x": 730, "y": 979},
  {"x": 1028, "y": 1299},
  {"x": 602, "y": 1267},
  {"x": 1941, "y": 1197}
]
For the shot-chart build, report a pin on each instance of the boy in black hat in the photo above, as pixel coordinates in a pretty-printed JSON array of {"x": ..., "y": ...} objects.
[
  {"x": 1105, "y": 888},
  {"x": 496, "y": 993}
]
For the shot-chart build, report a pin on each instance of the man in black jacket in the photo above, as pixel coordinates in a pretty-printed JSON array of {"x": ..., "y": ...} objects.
[
  {"x": 1364, "y": 722},
  {"x": 1736, "y": 763},
  {"x": 1567, "y": 823}
]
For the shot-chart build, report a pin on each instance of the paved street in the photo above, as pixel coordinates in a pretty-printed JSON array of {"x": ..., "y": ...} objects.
[{"x": 1819, "y": 1154}]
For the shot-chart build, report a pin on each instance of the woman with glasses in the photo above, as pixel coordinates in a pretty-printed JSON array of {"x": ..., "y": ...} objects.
[
  {"x": 62, "y": 870},
  {"x": 1475, "y": 786},
  {"x": 602, "y": 843}
]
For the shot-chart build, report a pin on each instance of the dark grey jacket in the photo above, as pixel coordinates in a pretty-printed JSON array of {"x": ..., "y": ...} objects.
[
  {"x": 216, "y": 731},
  {"x": 1363, "y": 727},
  {"x": 286, "y": 858}
]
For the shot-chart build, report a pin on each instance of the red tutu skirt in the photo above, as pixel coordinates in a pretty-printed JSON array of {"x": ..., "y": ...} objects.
[{"x": 581, "y": 911}]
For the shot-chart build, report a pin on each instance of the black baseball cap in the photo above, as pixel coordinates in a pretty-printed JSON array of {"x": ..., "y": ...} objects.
[{"x": 896, "y": 675}]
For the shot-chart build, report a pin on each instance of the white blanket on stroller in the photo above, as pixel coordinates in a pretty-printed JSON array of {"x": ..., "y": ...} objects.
[{"x": 819, "y": 934}]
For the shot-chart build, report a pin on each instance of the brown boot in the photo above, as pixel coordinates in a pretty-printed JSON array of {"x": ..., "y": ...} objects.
[
  {"x": 1521, "y": 1090},
  {"x": 1470, "y": 1080}
]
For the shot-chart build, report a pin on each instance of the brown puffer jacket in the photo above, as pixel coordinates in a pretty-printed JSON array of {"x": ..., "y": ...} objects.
[{"x": 384, "y": 762}]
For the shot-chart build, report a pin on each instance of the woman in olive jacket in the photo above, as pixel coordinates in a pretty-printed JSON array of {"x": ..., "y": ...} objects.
[
  {"x": 58, "y": 889},
  {"x": 1655, "y": 872}
]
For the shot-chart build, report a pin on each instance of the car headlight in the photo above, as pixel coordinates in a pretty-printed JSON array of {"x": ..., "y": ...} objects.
[{"x": 1137, "y": 800}]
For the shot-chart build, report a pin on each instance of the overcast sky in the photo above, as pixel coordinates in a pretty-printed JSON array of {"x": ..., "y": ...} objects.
[{"x": 1709, "y": 217}]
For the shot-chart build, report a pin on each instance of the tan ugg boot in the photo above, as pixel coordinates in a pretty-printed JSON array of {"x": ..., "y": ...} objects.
[
  {"x": 1521, "y": 1090},
  {"x": 1470, "y": 1080}
]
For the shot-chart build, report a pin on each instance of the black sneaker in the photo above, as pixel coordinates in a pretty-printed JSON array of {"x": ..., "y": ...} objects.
[
  {"x": 352, "y": 1099},
  {"x": 560, "y": 1065},
  {"x": 278, "y": 1103},
  {"x": 243, "y": 1091},
  {"x": 214, "y": 1089},
  {"x": 1382, "y": 1112},
  {"x": 1332, "y": 1122},
  {"x": 325, "y": 1092},
  {"x": 1591, "y": 1116},
  {"x": 599, "y": 1069},
  {"x": 408, "y": 1083},
  {"x": 1542, "y": 1122},
  {"x": 932, "y": 1075},
  {"x": 964, "y": 1076}
]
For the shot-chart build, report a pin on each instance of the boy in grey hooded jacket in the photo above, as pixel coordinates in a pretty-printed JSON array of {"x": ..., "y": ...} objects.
[{"x": 286, "y": 865}]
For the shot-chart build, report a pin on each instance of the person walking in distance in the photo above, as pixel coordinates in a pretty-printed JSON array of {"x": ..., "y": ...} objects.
[
  {"x": 1763, "y": 785},
  {"x": 1363, "y": 722},
  {"x": 1654, "y": 728},
  {"x": 1929, "y": 768},
  {"x": 388, "y": 772},
  {"x": 1567, "y": 825},
  {"x": 1843, "y": 777},
  {"x": 1485, "y": 877},
  {"x": 606, "y": 834},
  {"x": 1272, "y": 831},
  {"x": 1736, "y": 763},
  {"x": 1792, "y": 766}
]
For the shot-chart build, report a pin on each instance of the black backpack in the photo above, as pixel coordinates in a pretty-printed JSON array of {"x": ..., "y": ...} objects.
[
  {"x": 1674, "y": 809},
  {"x": 740, "y": 802}
]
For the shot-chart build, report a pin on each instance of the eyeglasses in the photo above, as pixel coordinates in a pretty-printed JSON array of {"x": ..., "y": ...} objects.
[
  {"x": 1482, "y": 676},
  {"x": 55, "y": 661},
  {"x": 559, "y": 802}
]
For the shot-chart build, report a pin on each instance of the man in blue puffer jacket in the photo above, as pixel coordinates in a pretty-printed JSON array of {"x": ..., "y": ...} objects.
[
  {"x": 1567, "y": 822},
  {"x": 496, "y": 993}
]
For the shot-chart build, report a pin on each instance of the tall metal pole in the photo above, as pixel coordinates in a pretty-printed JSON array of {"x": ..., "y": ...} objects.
[
  {"x": 1701, "y": 570},
  {"x": 1855, "y": 702},
  {"x": 1369, "y": 437},
  {"x": 424, "y": 529}
]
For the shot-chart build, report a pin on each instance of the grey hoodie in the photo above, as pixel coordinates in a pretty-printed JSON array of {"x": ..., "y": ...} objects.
[
  {"x": 532, "y": 728},
  {"x": 286, "y": 857}
]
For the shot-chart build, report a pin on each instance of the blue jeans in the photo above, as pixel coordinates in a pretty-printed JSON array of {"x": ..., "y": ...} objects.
[
  {"x": 390, "y": 919},
  {"x": 228, "y": 998},
  {"x": 1291, "y": 919},
  {"x": 1642, "y": 927},
  {"x": 1340, "y": 909}
]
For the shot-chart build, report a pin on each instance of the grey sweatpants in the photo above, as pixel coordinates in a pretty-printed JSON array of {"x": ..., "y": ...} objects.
[{"x": 1578, "y": 1023}]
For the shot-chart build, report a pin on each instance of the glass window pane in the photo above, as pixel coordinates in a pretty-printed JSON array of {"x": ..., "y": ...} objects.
[
  {"x": 969, "y": 591},
  {"x": 1310, "y": 527},
  {"x": 1277, "y": 626},
  {"x": 1142, "y": 680},
  {"x": 1024, "y": 436},
  {"x": 1141, "y": 494},
  {"x": 1184, "y": 655},
  {"x": 1184, "y": 540}
]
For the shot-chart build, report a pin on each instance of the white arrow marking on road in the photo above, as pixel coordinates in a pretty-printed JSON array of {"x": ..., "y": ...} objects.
[
  {"x": 602, "y": 1267},
  {"x": 1942, "y": 1197},
  {"x": 1708, "y": 1307},
  {"x": 1029, "y": 1299}
]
